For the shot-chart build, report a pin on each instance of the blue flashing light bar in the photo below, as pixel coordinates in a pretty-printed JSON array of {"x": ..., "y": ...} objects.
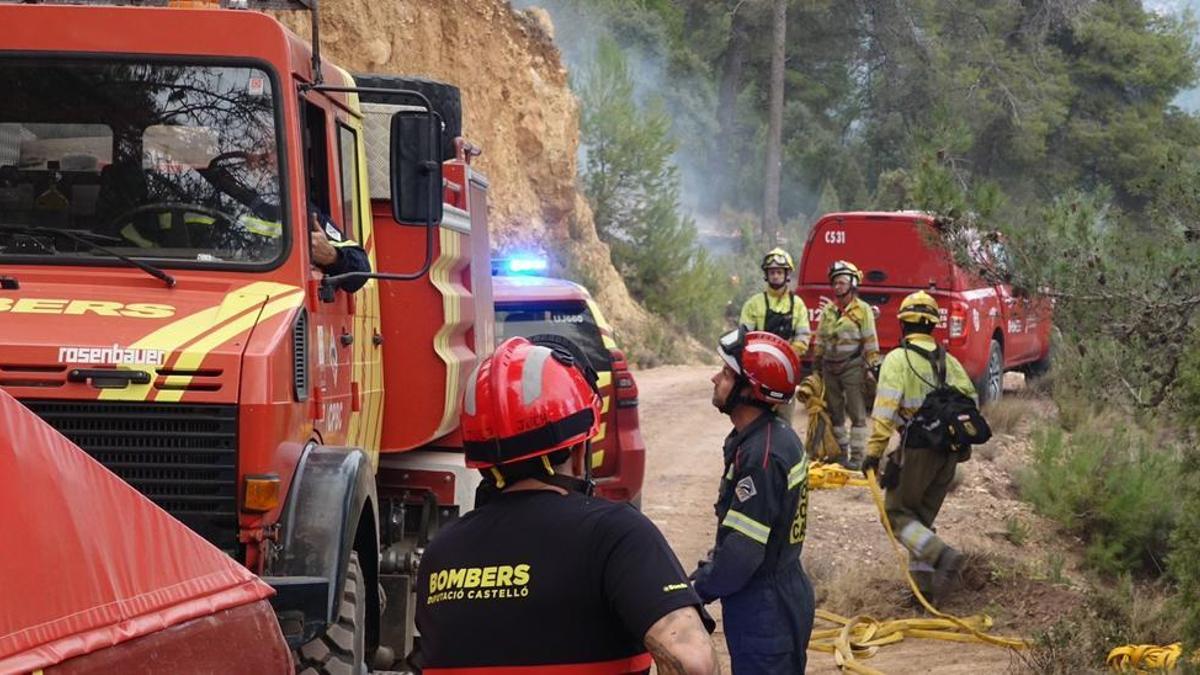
[
  {"x": 517, "y": 265},
  {"x": 526, "y": 265}
]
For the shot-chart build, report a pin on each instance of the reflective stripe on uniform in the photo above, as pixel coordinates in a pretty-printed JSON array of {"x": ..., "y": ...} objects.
[
  {"x": 261, "y": 226},
  {"x": 798, "y": 473},
  {"x": 131, "y": 233},
  {"x": 889, "y": 394},
  {"x": 747, "y": 526},
  {"x": 916, "y": 537},
  {"x": 166, "y": 220}
]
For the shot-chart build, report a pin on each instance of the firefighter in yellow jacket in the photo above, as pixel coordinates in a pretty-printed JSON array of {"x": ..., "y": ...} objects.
[
  {"x": 912, "y": 500},
  {"x": 780, "y": 311},
  {"x": 846, "y": 353}
]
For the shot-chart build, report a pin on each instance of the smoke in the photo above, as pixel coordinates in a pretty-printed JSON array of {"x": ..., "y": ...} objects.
[{"x": 579, "y": 26}]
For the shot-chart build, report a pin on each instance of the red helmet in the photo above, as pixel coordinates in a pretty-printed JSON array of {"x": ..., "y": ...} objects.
[
  {"x": 524, "y": 401},
  {"x": 765, "y": 360}
]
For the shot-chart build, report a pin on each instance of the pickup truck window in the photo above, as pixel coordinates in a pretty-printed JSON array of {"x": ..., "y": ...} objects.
[{"x": 571, "y": 320}]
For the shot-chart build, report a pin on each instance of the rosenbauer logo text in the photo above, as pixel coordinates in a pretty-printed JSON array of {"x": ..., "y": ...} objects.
[{"x": 114, "y": 355}]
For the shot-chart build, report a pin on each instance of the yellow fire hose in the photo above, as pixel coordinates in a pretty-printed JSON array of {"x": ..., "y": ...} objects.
[
  {"x": 861, "y": 636},
  {"x": 1140, "y": 658}
]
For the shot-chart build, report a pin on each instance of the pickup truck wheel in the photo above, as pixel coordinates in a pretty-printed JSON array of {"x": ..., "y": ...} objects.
[
  {"x": 991, "y": 387},
  {"x": 342, "y": 649},
  {"x": 1039, "y": 368}
]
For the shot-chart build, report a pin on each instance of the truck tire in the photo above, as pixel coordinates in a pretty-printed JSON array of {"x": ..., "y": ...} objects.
[
  {"x": 342, "y": 649},
  {"x": 991, "y": 386},
  {"x": 445, "y": 99},
  {"x": 1039, "y": 368}
]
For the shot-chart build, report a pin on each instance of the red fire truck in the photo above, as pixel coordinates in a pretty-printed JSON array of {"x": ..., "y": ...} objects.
[
  {"x": 159, "y": 305},
  {"x": 990, "y": 327}
]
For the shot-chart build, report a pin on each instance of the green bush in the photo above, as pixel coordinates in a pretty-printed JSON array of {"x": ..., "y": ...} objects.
[
  {"x": 1121, "y": 613},
  {"x": 1116, "y": 489},
  {"x": 1187, "y": 391},
  {"x": 1185, "y": 554}
]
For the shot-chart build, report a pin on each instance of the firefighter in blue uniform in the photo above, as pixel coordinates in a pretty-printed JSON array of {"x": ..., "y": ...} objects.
[{"x": 766, "y": 598}]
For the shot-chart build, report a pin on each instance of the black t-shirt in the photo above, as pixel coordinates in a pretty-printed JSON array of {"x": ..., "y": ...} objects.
[{"x": 539, "y": 578}]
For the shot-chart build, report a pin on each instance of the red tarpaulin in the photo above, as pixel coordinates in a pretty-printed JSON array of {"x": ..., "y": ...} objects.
[{"x": 85, "y": 561}]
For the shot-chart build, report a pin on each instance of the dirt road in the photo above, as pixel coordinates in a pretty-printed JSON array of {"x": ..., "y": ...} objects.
[{"x": 846, "y": 551}]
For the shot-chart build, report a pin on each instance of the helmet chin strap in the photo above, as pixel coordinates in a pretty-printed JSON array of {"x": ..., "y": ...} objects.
[
  {"x": 736, "y": 397},
  {"x": 767, "y": 278},
  {"x": 585, "y": 486}
]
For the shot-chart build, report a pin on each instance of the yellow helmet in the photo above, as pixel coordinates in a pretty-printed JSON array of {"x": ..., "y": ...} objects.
[
  {"x": 777, "y": 257},
  {"x": 845, "y": 268},
  {"x": 919, "y": 307}
]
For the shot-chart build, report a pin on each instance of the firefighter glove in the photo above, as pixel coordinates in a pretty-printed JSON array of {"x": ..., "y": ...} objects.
[{"x": 869, "y": 464}]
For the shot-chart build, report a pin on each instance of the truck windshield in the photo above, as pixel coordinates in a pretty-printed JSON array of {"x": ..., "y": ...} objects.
[{"x": 165, "y": 161}]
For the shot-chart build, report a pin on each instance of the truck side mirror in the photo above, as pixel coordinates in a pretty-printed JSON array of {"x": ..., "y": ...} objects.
[{"x": 416, "y": 171}]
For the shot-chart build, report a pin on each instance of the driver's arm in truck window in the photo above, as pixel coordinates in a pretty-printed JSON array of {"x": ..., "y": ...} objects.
[{"x": 336, "y": 254}]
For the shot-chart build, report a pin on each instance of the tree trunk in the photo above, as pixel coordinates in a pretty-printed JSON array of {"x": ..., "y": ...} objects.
[
  {"x": 770, "y": 211},
  {"x": 728, "y": 155}
]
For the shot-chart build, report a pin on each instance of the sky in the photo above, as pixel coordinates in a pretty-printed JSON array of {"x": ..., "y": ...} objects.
[{"x": 1188, "y": 100}]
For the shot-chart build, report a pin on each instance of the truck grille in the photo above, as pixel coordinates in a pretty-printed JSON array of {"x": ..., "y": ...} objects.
[{"x": 183, "y": 457}]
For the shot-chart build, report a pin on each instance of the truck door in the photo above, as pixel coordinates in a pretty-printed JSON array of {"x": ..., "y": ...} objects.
[
  {"x": 331, "y": 339},
  {"x": 1020, "y": 337}
]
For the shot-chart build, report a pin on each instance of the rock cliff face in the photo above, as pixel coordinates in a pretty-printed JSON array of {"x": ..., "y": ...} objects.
[{"x": 517, "y": 106}]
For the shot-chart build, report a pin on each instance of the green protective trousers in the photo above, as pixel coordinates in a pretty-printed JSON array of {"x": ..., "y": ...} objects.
[
  {"x": 844, "y": 392},
  {"x": 844, "y": 397},
  {"x": 913, "y": 505}
]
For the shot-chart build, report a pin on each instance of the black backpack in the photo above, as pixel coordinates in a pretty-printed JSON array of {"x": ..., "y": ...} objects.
[{"x": 947, "y": 420}]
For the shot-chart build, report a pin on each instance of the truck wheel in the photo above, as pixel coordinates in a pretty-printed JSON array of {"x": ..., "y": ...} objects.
[
  {"x": 342, "y": 649},
  {"x": 991, "y": 387},
  {"x": 1039, "y": 368}
]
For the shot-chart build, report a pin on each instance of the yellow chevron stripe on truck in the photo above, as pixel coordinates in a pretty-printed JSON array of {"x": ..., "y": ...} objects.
[
  {"x": 453, "y": 292},
  {"x": 195, "y": 353},
  {"x": 603, "y": 379},
  {"x": 178, "y": 333},
  {"x": 365, "y": 425}
]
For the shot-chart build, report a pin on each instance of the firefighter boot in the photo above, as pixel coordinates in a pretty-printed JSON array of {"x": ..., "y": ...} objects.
[
  {"x": 922, "y": 574},
  {"x": 842, "y": 436},
  {"x": 945, "y": 572},
  {"x": 858, "y": 447}
]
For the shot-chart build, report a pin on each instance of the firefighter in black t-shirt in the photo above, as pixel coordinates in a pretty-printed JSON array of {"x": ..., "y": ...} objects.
[
  {"x": 541, "y": 573},
  {"x": 766, "y": 599}
]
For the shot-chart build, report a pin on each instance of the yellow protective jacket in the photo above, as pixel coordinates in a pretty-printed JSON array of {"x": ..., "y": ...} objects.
[
  {"x": 754, "y": 315},
  {"x": 843, "y": 333},
  {"x": 905, "y": 378}
]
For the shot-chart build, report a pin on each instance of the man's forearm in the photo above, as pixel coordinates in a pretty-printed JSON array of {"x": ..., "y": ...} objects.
[{"x": 679, "y": 644}]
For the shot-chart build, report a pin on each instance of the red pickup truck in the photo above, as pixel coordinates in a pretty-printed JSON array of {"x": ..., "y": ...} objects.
[{"x": 991, "y": 328}]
